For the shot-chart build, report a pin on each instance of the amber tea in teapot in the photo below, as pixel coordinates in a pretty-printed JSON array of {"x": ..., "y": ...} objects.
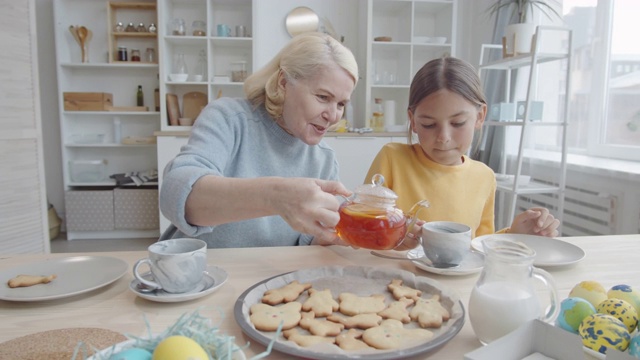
[{"x": 372, "y": 221}]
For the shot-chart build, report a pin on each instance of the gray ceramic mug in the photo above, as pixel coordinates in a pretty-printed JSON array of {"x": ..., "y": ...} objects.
[
  {"x": 446, "y": 243},
  {"x": 177, "y": 265}
]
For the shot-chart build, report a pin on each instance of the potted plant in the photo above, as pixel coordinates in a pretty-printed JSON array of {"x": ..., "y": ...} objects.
[{"x": 518, "y": 36}]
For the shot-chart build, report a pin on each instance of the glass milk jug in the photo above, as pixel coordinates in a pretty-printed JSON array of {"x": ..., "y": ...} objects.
[{"x": 505, "y": 295}]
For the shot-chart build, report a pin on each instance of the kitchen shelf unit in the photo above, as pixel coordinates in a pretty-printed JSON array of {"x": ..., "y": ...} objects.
[
  {"x": 220, "y": 51},
  {"x": 550, "y": 44},
  {"x": 420, "y": 30},
  {"x": 120, "y": 79}
]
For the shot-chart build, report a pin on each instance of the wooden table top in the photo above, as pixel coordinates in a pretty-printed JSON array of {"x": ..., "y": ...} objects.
[{"x": 610, "y": 260}]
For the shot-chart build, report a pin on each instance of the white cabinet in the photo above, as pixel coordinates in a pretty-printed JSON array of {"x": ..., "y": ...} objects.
[
  {"x": 92, "y": 148},
  {"x": 221, "y": 52},
  {"x": 401, "y": 37},
  {"x": 551, "y": 46}
]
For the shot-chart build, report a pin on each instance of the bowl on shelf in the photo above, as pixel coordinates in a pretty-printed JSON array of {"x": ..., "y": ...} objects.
[
  {"x": 178, "y": 77},
  {"x": 421, "y": 39}
]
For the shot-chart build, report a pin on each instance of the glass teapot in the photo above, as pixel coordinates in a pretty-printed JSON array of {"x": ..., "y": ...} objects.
[{"x": 371, "y": 220}]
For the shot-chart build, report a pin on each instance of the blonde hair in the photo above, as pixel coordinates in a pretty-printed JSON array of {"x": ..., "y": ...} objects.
[{"x": 302, "y": 58}]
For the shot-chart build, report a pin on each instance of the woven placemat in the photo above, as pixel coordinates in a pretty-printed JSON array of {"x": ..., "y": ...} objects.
[{"x": 58, "y": 344}]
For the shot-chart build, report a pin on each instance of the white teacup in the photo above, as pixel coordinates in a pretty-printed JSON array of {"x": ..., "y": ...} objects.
[
  {"x": 446, "y": 243},
  {"x": 177, "y": 265}
]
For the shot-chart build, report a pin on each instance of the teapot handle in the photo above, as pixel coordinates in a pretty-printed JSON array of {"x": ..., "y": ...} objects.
[
  {"x": 413, "y": 218},
  {"x": 554, "y": 307}
]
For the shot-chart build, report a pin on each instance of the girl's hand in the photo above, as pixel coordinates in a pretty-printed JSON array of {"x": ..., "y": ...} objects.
[{"x": 536, "y": 221}]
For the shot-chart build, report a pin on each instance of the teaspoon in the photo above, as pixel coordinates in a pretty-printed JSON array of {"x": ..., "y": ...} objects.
[{"x": 425, "y": 260}]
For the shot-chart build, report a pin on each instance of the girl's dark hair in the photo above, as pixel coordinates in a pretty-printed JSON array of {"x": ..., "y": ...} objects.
[
  {"x": 453, "y": 74},
  {"x": 449, "y": 73}
]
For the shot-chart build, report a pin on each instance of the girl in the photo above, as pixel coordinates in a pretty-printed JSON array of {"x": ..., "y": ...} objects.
[{"x": 446, "y": 106}]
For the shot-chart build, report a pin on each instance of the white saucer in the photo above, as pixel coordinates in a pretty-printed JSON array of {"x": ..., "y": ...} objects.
[
  {"x": 471, "y": 264},
  {"x": 550, "y": 252},
  {"x": 214, "y": 277}
]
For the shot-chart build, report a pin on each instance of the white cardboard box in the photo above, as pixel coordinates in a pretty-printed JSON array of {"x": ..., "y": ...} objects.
[{"x": 538, "y": 337}]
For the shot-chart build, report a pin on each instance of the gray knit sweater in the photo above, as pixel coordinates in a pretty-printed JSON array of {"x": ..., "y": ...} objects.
[{"x": 231, "y": 139}]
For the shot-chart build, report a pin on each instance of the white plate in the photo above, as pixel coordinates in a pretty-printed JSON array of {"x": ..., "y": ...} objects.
[
  {"x": 214, "y": 277},
  {"x": 471, "y": 264},
  {"x": 550, "y": 252},
  {"x": 362, "y": 281},
  {"x": 75, "y": 275}
]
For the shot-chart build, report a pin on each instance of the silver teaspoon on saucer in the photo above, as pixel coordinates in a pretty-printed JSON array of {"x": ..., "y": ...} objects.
[{"x": 424, "y": 259}]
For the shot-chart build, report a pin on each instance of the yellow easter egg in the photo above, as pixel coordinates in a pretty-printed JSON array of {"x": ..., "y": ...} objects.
[
  {"x": 626, "y": 293},
  {"x": 592, "y": 291},
  {"x": 620, "y": 310},
  {"x": 179, "y": 348},
  {"x": 601, "y": 332}
]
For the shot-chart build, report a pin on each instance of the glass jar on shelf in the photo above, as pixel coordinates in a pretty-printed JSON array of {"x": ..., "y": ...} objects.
[
  {"x": 119, "y": 27},
  {"x": 377, "y": 119},
  {"x": 141, "y": 28},
  {"x": 200, "y": 73},
  {"x": 153, "y": 28},
  {"x": 135, "y": 55},
  {"x": 150, "y": 55},
  {"x": 199, "y": 28},
  {"x": 179, "y": 28},
  {"x": 130, "y": 28},
  {"x": 238, "y": 71}
]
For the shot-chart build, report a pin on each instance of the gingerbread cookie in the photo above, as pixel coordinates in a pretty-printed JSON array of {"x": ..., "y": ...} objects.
[
  {"x": 319, "y": 327},
  {"x": 391, "y": 334},
  {"x": 29, "y": 280},
  {"x": 287, "y": 293},
  {"x": 267, "y": 318},
  {"x": 360, "y": 321},
  {"x": 398, "y": 310},
  {"x": 399, "y": 291},
  {"x": 321, "y": 303},
  {"x": 429, "y": 313},
  {"x": 306, "y": 340},
  {"x": 351, "y": 304},
  {"x": 351, "y": 341}
]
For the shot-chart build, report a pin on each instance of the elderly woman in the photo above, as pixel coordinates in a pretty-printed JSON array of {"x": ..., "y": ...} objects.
[{"x": 255, "y": 171}]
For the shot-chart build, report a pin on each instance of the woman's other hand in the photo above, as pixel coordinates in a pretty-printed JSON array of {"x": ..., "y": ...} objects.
[{"x": 536, "y": 221}]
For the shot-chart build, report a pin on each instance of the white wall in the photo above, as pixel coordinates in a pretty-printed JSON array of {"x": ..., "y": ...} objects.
[{"x": 474, "y": 28}]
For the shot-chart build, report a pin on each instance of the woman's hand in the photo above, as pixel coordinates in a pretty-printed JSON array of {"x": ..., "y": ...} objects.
[
  {"x": 412, "y": 239},
  {"x": 536, "y": 221},
  {"x": 310, "y": 207}
]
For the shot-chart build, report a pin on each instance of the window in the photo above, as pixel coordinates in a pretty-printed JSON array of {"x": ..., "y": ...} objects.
[{"x": 604, "y": 115}]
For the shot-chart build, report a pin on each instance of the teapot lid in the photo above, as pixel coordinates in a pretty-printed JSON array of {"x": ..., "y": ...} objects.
[{"x": 376, "y": 190}]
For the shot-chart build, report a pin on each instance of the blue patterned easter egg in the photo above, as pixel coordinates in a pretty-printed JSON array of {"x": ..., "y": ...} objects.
[
  {"x": 634, "y": 346},
  {"x": 572, "y": 311},
  {"x": 620, "y": 310},
  {"x": 626, "y": 293},
  {"x": 600, "y": 332}
]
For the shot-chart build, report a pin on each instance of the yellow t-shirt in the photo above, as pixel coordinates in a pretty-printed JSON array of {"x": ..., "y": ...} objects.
[{"x": 463, "y": 193}]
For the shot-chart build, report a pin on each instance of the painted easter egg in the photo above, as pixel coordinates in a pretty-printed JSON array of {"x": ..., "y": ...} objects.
[
  {"x": 132, "y": 354},
  {"x": 634, "y": 346},
  {"x": 620, "y": 310},
  {"x": 626, "y": 293},
  {"x": 179, "y": 347},
  {"x": 600, "y": 332},
  {"x": 592, "y": 291},
  {"x": 572, "y": 311}
]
